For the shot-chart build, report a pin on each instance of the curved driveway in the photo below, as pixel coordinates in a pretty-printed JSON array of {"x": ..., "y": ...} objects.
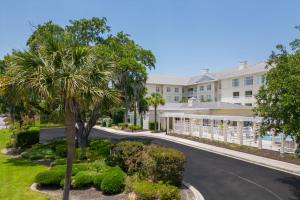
[{"x": 220, "y": 177}]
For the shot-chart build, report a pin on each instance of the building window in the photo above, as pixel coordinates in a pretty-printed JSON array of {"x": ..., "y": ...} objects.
[
  {"x": 176, "y": 89},
  {"x": 236, "y": 94},
  {"x": 202, "y": 98},
  {"x": 220, "y": 85},
  {"x": 176, "y": 98},
  {"x": 248, "y": 104},
  {"x": 238, "y": 103},
  {"x": 157, "y": 89},
  {"x": 169, "y": 98},
  {"x": 168, "y": 89},
  {"x": 261, "y": 80},
  {"x": 182, "y": 90},
  {"x": 235, "y": 82},
  {"x": 208, "y": 87},
  {"x": 201, "y": 88},
  {"x": 248, "y": 80},
  {"x": 248, "y": 93},
  {"x": 208, "y": 97}
]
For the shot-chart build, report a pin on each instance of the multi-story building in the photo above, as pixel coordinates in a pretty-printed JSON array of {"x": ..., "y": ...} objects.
[{"x": 237, "y": 85}]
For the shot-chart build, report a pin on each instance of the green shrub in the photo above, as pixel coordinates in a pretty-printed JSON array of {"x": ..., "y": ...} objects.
[
  {"x": 164, "y": 164},
  {"x": 151, "y": 125},
  {"x": 117, "y": 114},
  {"x": 107, "y": 122},
  {"x": 113, "y": 181},
  {"x": 59, "y": 161},
  {"x": 50, "y": 178},
  {"x": 26, "y": 138},
  {"x": 38, "y": 151},
  {"x": 133, "y": 127},
  {"x": 149, "y": 191},
  {"x": 75, "y": 168},
  {"x": 83, "y": 179},
  {"x": 61, "y": 150},
  {"x": 99, "y": 166},
  {"x": 123, "y": 125},
  {"x": 98, "y": 180},
  {"x": 102, "y": 147},
  {"x": 128, "y": 155}
]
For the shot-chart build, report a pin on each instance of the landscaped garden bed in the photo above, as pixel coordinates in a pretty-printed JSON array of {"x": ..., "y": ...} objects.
[
  {"x": 109, "y": 170},
  {"x": 286, "y": 157}
]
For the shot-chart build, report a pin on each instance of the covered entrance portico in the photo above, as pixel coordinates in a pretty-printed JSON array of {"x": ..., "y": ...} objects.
[{"x": 232, "y": 129}]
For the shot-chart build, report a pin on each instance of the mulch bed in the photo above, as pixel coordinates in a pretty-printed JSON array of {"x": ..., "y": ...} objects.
[{"x": 286, "y": 157}]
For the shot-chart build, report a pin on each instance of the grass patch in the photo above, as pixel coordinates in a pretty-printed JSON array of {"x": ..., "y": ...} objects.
[{"x": 17, "y": 175}]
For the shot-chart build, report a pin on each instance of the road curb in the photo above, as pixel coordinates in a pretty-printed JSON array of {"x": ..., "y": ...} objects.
[
  {"x": 297, "y": 173},
  {"x": 197, "y": 194}
]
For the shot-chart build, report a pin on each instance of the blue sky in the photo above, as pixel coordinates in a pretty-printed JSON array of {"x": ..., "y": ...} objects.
[{"x": 185, "y": 35}]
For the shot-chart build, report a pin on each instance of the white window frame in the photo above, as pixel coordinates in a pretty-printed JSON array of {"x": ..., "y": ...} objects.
[
  {"x": 236, "y": 97},
  {"x": 248, "y": 96},
  {"x": 235, "y": 82},
  {"x": 248, "y": 80}
]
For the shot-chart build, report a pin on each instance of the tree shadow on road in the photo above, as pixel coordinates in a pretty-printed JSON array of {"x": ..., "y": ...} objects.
[{"x": 294, "y": 185}]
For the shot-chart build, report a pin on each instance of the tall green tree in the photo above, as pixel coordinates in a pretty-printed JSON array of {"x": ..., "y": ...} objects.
[
  {"x": 56, "y": 67},
  {"x": 155, "y": 99},
  {"x": 278, "y": 101}
]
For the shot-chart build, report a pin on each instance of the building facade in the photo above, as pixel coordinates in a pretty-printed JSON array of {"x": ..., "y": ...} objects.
[{"x": 237, "y": 85}]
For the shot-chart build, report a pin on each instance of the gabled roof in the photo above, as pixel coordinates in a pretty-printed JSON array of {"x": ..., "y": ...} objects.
[{"x": 206, "y": 77}]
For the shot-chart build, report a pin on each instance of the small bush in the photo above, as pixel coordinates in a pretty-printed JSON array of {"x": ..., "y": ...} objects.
[
  {"x": 107, "y": 122},
  {"x": 164, "y": 164},
  {"x": 102, "y": 147},
  {"x": 38, "y": 151},
  {"x": 151, "y": 125},
  {"x": 61, "y": 150},
  {"x": 26, "y": 138},
  {"x": 113, "y": 181},
  {"x": 123, "y": 125},
  {"x": 150, "y": 191},
  {"x": 133, "y": 127},
  {"x": 83, "y": 179},
  {"x": 128, "y": 155},
  {"x": 98, "y": 180},
  {"x": 59, "y": 161},
  {"x": 75, "y": 168},
  {"x": 50, "y": 178},
  {"x": 100, "y": 166}
]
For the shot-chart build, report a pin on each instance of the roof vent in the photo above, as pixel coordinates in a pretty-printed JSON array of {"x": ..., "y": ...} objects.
[
  {"x": 204, "y": 70},
  {"x": 243, "y": 64}
]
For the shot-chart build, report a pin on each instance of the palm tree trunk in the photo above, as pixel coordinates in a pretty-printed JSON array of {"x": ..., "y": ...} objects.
[
  {"x": 70, "y": 135},
  {"x": 134, "y": 115}
]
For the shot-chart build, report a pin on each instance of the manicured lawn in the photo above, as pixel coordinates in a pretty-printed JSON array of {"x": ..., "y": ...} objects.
[{"x": 16, "y": 175}]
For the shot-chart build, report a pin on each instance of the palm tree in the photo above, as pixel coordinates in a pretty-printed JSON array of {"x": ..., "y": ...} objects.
[
  {"x": 155, "y": 100},
  {"x": 56, "y": 67}
]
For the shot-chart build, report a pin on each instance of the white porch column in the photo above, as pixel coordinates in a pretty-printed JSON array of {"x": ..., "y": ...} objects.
[
  {"x": 282, "y": 142},
  {"x": 173, "y": 124},
  {"x": 190, "y": 125},
  {"x": 212, "y": 129},
  {"x": 240, "y": 132},
  {"x": 225, "y": 125},
  {"x": 201, "y": 128},
  {"x": 273, "y": 137},
  {"x": 168, "y": 125},
  {"x": 158, "y": 122},
  {"x": 257, "y": 135}
]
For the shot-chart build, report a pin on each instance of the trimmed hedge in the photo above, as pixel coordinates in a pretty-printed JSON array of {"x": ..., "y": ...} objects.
[
  {"x": 113, "y": 181},
  {"x": 98, "y": 180},
  {"x": 128, "y": 155},
  {"x": 100, "y": 166},
  {"x": 149, "y": 191},
  {"x": 165, "y": 164},
  {"x": 83, "y": 179},
  {"x": 26, "y": 138},
  {"x": 50, "y": 178},
  {"x": 101, "y": 147}
]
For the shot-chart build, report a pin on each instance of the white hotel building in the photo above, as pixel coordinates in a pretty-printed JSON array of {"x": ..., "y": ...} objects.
[
  {"x": 237, "y": 85},
  {"x": 220, "y": 106}
]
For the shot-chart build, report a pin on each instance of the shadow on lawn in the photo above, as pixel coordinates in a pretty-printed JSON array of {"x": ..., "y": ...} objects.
[
  {"x": 20, "y": 162},
  {"x": 294, "y": 185}
]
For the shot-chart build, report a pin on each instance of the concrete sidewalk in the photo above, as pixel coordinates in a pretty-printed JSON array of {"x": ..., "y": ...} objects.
[{"x": 267, "y": 162}]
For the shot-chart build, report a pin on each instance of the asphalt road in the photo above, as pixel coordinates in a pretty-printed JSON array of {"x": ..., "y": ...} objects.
[{"x": 219, "y": 177}]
